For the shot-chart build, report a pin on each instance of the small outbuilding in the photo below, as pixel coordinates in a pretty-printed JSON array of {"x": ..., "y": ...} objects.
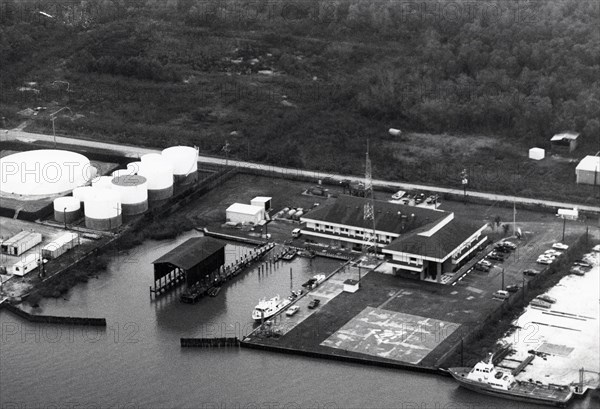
[
  {"x": 537, "y": 153},
  {"x": 243, "y": 213},
  {"x": 564, "y": 142},
  {"x": 60, "y": 246},
  {"x": 588, "y": 171},
  {"x": 20, "y": 243},
  {"x": 350, "y": 286}
]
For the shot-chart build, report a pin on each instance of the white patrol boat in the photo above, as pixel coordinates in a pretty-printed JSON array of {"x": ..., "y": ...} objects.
[
  {"x": 267, "y": 308},
  {"x": 484, "y": 378}
]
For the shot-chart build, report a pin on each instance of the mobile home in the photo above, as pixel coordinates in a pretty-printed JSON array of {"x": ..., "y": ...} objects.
[
  {"x": 60, "y": 246},
  {"x": 26, "y": 265}
]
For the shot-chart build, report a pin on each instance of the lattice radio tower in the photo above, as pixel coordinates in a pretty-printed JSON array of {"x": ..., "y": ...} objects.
[{"x": 370, "y": 237}]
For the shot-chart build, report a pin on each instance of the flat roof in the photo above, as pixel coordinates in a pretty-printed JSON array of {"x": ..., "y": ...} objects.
[
  {"x": 439, "y": 245},
  {"x": 245, "y": 208},
  {"x": 262, "y": 199},
  {"x": 349, "y": 211},
  {"x": 20, "y": 236},
  {"x": 191, "y": 252},
  {"x": 591, "y": 163}
]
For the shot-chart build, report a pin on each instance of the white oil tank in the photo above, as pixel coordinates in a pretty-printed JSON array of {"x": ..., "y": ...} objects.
[
  {"x": 134, "y": 167},
  {"x": 159, "y": 175},
  {"x": 122, "y": 172},
  {"x": 102, "y": 209},
  {"x": 67, "y": 209},
  {"x": 102, "y": 182},
  {"x": 184, "y": 160},
  {"x": 133, "y": 192}
]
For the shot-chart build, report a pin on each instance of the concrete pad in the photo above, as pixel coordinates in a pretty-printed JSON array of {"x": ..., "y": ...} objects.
[
  {"x": 567, "y": 332},
  {"x": 393, "y": 335}
]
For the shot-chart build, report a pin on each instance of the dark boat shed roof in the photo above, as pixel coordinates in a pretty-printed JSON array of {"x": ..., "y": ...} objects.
[{"x": 191, "y": 252}]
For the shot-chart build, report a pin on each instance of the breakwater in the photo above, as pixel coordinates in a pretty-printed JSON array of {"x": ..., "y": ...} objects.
[{"x": 52, "y": 319}]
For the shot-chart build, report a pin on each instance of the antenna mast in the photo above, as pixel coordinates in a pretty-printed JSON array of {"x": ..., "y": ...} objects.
[{"x": 370, "y": 237}]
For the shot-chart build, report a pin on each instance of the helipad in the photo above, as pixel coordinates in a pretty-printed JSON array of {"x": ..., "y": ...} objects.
[{"x": 393, "y": 335}]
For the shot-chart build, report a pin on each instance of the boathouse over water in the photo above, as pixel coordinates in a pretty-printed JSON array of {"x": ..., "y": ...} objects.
[{"x": 196, "y": 260}]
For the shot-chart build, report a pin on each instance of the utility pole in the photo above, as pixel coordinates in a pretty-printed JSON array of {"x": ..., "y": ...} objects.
[
  {"x": 502, "y": 278},
  {"x": 464, "y": 180},
  {"x": 514, "y": 217},
  {"x": 226, "y": 150},
  {"x": 53, "y": 118}
]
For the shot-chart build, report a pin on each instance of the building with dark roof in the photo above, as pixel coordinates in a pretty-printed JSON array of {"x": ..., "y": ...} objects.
[
  {"x": 564, "y": 142},
  {"x": 198, "y": 258},
  {"x": 418, "y": 242}
]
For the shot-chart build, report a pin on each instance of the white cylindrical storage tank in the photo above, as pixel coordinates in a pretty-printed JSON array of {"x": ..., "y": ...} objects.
[
  {"x": 102, "y": 182},
  {"x": 133, "y": 191},
  {"x": 102, "y": 209},
  {"x": 151, "y": 157},
  {"x": 159, "y": 175},
  {"x": 67, "y": 209},
  {"x": 184, "y": 160},
  {"x": 80, "y": 192},
  {"x": 122, "y": 172},
  {"x": 134, "y": 167}
]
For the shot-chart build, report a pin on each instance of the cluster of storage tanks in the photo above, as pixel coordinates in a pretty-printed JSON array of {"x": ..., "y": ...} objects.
[
  {"x": 293, "y": 214},
  {"x": 128, "y": 192}
]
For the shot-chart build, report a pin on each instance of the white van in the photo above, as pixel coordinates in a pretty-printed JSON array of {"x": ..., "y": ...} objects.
[{"x": 296, "y": 233}]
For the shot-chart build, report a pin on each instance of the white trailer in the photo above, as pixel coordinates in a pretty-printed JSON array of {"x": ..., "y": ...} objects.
[
  {"x": 20, "y": 243},
  {"x": 26, "y": 265},
  {"x": 60, "y": 246}
]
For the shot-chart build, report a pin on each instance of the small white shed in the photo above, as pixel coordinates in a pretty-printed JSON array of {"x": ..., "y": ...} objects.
[
  {"x": 537, "y": 153},
  {"x": 243, "y": 213},
  {"x": 350, "y": 286}
]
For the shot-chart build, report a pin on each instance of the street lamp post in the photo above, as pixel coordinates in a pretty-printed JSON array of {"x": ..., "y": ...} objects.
[
  {"x": 65, "y": 217},
  {"x": 53, "y": 118}
]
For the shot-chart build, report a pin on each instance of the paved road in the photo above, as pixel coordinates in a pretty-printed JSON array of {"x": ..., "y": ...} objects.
[{"x": 136, "y": 151}]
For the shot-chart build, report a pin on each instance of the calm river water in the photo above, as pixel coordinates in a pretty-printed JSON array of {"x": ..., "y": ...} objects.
[{"x": 137, "y": 362}]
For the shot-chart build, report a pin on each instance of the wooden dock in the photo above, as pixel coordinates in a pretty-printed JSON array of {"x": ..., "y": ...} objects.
[
  {"x": 194, "y": 294},
  {"x": 522, "y": 365}
]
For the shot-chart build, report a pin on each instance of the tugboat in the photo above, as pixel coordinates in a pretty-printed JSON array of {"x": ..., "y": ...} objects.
[
  {"x": 484, "y": 378},
  {"x": 267, "y": 308}
]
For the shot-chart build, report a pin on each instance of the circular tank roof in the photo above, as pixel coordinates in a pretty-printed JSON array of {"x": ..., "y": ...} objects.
[
  {"x": 66, "y": 203},
  {"x": 43, "y": 172},
  {"x": 183, "y": 159},
  {"x": 129, "y": 180}
]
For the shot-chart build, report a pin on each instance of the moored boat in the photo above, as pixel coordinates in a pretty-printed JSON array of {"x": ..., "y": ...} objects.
[
  {"x": 267, "y": 308},
  {"x": 485, "y": 378}
]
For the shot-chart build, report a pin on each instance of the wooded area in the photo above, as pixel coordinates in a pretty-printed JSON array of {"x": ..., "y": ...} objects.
[{"x": 305, "y": 83}]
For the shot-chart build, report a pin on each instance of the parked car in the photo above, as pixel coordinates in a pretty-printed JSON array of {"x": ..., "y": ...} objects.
[
  {"x": 531, "y": 272},
  {"x": 398, "y": 195},
  {"x": 512, "y": 288},
  {"x": 509, "y": 244},
  {"x": 546, "y": 298},
  {"x": 582, "y": 263},
  {"x": 482, "y": 267},
  {"x": 292, "y": 310},
  {"x": 545, "y": 261},
  {"x": 314, "y": 303},
  {"x": 501, "y": 294},
  {"x": 553, "y": 253},
  {"x": 502, "y": 249},
  {"x": 485, "y": 263},
  {"x": 495, "y": 256},
  {"x": 560, "y": 246}
]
